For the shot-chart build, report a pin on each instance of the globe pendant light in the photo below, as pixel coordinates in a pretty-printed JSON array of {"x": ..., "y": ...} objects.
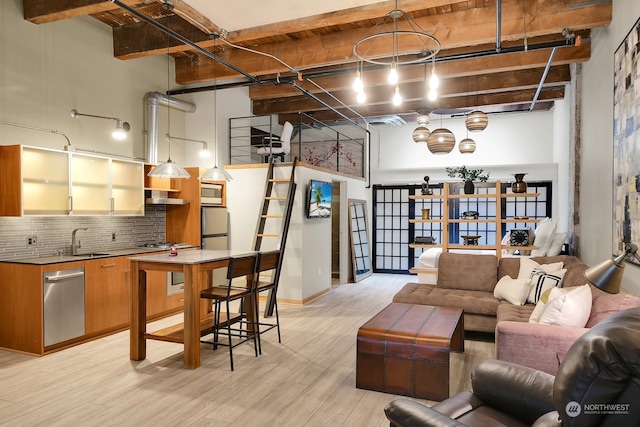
[
  {"x": 420, "y": 134},
  {"x": 441, "y": 141},
  {"x": 476, "y": 121},
  {"x": 467, "y": 146}
]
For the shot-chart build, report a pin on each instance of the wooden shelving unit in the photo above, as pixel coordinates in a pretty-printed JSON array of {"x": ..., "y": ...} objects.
[{"x": 445, "y": 198}]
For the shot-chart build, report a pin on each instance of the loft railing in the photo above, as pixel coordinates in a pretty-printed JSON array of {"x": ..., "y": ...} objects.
[{"x": 339, "y": 147}]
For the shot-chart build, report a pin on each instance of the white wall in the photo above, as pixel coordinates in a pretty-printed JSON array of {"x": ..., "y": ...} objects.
[
  {"x": 46, "y": 70},
  {"x": 306, "y": 269},
  {"x": 534, "y": 143},
  {"x": 596, "y": 208}
]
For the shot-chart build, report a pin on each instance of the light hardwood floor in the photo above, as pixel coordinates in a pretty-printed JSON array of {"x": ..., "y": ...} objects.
[{"x": 308, "y": 380}]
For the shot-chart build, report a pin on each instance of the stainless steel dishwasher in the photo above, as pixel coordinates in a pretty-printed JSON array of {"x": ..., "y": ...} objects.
[{"x": 63, "y": 305}]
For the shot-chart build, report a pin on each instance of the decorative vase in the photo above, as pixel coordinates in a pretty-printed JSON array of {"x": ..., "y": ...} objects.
[
  {"x": 469, "y": 188},
  {"x": 426, "y": 213},
  {"x": 519, "y": 186}
]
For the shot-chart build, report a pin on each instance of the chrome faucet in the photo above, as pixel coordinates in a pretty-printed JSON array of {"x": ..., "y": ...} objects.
[{"x": 75, "y": 245}]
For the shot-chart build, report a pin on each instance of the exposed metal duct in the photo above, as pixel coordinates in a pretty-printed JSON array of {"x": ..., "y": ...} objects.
[{"x": 152, "y": 101}]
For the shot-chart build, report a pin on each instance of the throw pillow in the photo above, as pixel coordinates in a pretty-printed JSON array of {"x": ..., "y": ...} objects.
[
  {"x": 545, "y": 231},
  {"x": 542, "y": 302},
  {"x": 556, "y": 244},
  {"x": 541, "y": 281},
  {"x": 513, "y": 290},
  {"x": 568, "y": 309},
  {"x": 527, "y": 265}
]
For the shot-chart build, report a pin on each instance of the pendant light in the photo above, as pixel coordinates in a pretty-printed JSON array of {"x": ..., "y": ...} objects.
[
  {"x": 441, "y": 141},
  {"x": 421, "y": 133},
  {"x": 168, "y": 169},
  {"x": 215, "y": 173},
  {"x": 467, "y": 145},
  {"x": 477, "y": 120}
]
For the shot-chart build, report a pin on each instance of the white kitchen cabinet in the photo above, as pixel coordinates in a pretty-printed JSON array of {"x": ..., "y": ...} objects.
[
  {"x": 39, "y": 181},
  {"x": 90, "y": 192},
  {"x": 127, "y": 187}
]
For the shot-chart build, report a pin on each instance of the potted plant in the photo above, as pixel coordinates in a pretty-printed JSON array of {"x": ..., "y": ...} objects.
[{"x": 468, "y": 176}]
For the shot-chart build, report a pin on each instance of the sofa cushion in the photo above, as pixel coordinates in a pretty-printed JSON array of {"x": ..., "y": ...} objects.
[
  {"x": 475, "y": 302},
  {"x": 567, "y": 307},
  {"x": 468, "y": 272},
  {"x": 604, "y": 304},
  {"x": 513, "y": 290},
  {"x": 575, "y": 268},
  {"x": 541, "y": 281},
  {"x": 514, "y": 313}
]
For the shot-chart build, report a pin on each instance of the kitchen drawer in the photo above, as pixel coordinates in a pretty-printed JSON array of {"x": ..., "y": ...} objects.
[{"x": 103, "y": 265}]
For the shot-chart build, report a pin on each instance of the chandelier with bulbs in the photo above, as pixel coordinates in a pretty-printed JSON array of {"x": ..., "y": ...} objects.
[{"x": 409, "y": 44}]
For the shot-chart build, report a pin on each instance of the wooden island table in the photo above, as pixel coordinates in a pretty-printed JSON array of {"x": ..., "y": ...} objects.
[{"x": 197, "y": 266}]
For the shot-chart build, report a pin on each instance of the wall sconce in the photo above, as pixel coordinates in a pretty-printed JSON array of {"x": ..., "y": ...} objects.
[
  {"x": 119, "y": 133},
  {"x": 204, "y": 152}
]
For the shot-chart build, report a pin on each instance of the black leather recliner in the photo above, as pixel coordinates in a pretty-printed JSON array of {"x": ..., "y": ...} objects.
[{"x": 598, "y": 384}]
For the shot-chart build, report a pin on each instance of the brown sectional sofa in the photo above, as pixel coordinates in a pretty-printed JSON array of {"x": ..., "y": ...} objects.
[{"x": 467, "y": 281}]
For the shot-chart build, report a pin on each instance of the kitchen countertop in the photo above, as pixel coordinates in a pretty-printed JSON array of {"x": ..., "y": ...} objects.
[
  {"x": 192, "y": 256},
  {"x": 55, "y": 259}
]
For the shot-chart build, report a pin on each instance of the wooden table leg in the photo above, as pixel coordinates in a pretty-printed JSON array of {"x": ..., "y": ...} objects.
[
  {"x": 138, "y": 314},
  {"x": 192, "y": 286}
]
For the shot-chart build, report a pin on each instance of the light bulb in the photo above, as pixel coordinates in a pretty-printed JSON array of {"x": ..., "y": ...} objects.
[
  {"x": 119, "y": 134},
  {"x": 393, "y": 74},
  {"x": 357, "y": 83},
  {"x": 204, "y": 153},
  {"x": 433, "y": 95},
  {"x": 397, "y": 99},
  {"x": 361, "y": 97},
  {"x": 434, "y": 81}
]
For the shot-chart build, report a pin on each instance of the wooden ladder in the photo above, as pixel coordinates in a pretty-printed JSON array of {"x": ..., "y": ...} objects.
[{"x": 274, "y": 193}]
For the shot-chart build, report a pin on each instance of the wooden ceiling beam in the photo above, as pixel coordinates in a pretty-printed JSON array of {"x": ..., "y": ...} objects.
[
  {"x": 41, "y": 12},
  {"x": 455, "y": 87},
  {"x": 503, "y": 63},
  {"x": 518, "y": 97},
  {"x": 464, "y": 28}
]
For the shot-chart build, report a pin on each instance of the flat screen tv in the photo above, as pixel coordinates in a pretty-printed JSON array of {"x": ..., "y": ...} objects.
[{"x": 319, "y": 199}]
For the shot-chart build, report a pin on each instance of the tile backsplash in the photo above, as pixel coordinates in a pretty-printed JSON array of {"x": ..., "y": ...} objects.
[{"x": 53, "y": 233}]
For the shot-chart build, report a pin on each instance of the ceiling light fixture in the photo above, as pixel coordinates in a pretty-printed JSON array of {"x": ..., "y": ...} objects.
[
  {"x": 169, "y": 169},
  {"x": 421, "y": 133},
  {"x": 215, "y": 173},
  {"x": 204, "y": 151},
  {"x": 409, "y": 43},
  {"x": 120, "y": 131},
  {"x": 441, "y": 141}
]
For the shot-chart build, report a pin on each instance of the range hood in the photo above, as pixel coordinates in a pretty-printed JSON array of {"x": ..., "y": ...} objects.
[{"x": 159, "y": 197}]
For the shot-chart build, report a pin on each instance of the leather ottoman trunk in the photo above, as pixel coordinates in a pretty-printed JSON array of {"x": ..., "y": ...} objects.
[{"x": 405, "y": 349}]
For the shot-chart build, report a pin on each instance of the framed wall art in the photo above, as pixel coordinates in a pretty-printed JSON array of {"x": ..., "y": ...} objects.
[{"x": 626, "y": 143}]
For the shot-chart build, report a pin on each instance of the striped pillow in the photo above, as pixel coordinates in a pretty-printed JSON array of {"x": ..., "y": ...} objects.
[{"x": 542, "y": 280}]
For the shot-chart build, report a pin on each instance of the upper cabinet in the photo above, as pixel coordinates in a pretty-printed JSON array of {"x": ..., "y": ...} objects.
[{"x": 38, "y": 181}]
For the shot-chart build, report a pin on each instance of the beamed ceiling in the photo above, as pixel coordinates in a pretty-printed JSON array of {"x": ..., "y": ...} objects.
[{"x": 473, "y": 71}]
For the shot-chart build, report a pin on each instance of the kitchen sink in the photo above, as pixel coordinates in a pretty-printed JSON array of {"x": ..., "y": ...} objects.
[{"x": 92, "y": 255}]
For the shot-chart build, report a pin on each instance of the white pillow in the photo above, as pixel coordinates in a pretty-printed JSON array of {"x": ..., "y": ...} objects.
[
  {"x": 545, "y": 231},
  {"x": 541, "y": 281},
  {"x": 542, "y": 302},
  {"x": 513, "y": 290},
  {"x": 568, "y": 309},
  {"x": 527, "y": 265},
  {"x": 556, "y": 244}
]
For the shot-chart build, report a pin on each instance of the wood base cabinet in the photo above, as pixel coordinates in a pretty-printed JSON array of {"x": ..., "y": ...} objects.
[{"x": 106, "y": 294}]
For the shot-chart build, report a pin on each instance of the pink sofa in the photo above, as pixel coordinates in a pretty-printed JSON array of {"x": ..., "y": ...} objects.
[{"x": 467, "y": 281}]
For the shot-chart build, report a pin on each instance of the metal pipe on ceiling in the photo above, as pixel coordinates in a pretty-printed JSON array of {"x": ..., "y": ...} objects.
[
  {"x": 544, "y": 77},
  {"x": 342, "y": 71}
]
